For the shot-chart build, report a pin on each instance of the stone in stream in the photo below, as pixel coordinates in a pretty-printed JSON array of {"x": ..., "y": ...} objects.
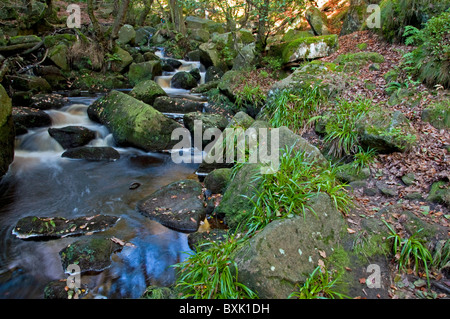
[
  {"x": 92, "y": 255},
  {"x": 183, "y": 80},
  {"x": 48, "y": 101},
  {"x": 147, "y": 91},
  {"x": 59, "y": 227},
  {"x": 72, "y": 136},
  {"x": 177, "y": 206},
  {"x": 6, "y": 132},
  {"x": 133, "y": 122},
  {"x": 30, "y": 117},
  {"x": 92, "y": 153}
]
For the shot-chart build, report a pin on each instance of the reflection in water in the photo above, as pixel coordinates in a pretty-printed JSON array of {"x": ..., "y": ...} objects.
[{"x": 43, "y": 184}]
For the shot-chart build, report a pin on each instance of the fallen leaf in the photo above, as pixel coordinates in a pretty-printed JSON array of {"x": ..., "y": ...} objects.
[
  {"x": 351, "y": 231},
  {"x": 362, "y": 280},
  {"x": 322, "y": 254}
]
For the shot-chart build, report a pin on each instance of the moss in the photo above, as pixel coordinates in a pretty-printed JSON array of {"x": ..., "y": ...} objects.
[
  {"x": 355, "y": 61},
  {"x": 52, "y": 40},
  {"x": 438, "y": 114},
  {"x": 290, "y": 47}
]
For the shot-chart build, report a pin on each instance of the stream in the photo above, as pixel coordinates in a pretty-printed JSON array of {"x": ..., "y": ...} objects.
[{"x": 42, "y": 183}]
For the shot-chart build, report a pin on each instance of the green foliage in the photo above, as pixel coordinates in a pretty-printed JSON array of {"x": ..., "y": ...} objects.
[
  {"x": 342, "y": 136},
  {"x": 410, "y": 251},
  {"x": 430, "y": 61},
  {"x": 397, "y": 14},
  {"x": 441, "y": 255},
  {"x": 250, "y": 95},
  {"x": 211, "y": 273},
  {"x": 293, "y": 107},
  {"x": 363, "y": 158},
  {"x": 288, "y": 191},
  {"x": 319, "y": 285}
]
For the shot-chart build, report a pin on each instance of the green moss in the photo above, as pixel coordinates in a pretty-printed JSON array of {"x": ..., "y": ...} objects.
[
  {"x": 438, "y": 114},
  {"x": 355, "y": 61},
  {"x": 289, "y": 48}
]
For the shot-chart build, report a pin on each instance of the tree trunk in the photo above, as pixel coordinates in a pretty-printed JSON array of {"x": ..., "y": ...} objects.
[
  {"x": 176, "y": 13},
  {"x": 118, "y": 22},
  {"x": 261, "y": 38},
  {"x": 147, "y": 7},
  {"x": 97, "y": 28}
]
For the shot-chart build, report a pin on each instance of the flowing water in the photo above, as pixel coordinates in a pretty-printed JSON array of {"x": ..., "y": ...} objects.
[{"x": 42, "y": 183}]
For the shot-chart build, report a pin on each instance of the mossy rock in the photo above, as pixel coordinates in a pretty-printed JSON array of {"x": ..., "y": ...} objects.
[
  {"x": 440, "y": 193},
  {"x": 132, "y": 122},
  {"x": 308, "y": 48},
  {"x": 144, "y": 71},
  {"x": 147, "y": 91},
  {"x": 58, "y": 55},
  {"x": 293, "y": 34},
  {"x": 355, "y": 61},
  {"x": 347, "y": 173},
  {"x": 386, "y": 131},
  {"x": 124, "y": 59},
  {"x": 92, "y": 255},
  {"x": 318, "y": 74},
  {"x": 438, "y": 114},
  {"x": 21, "y": 39},
  {"x": 66, "y": 38},
  {"x": 317, "y": 20},
  {"x": 236, "y": 204},
  {"x": 287, "y": 250}
]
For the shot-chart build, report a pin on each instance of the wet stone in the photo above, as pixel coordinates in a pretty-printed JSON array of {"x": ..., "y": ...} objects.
[
  {"x": 58, "y": 227},
  {"x": 92, "y": 255}
]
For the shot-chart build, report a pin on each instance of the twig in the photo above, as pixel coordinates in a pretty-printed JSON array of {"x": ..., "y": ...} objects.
[{"x": 24, "y": 69}]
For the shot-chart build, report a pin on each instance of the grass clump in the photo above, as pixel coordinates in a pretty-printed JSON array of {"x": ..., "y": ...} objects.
[
  {"x": 341, "y": 133},
  {"x": 288, "y": 191},
  {"x": 293, "y": 107},
  {"x": 319, "y": 285},
  {"x": 211, "y": 272},
  {"x": 410, "y": 251}
]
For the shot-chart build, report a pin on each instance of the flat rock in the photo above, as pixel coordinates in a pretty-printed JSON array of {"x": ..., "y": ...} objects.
[
  {"x": 92, "y": 153},
  {"x": 177, "y": 206},
  {"x": 59, "y": 227},
  {"x": 92, "y": 255},
  {"x": 72, "y": 136}
]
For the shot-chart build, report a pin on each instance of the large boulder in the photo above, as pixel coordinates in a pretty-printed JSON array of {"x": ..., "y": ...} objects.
[
  {"x": 132, "y": 122},
  {"x": 126, "y": 34},
  {"x": 6, "y": 132},
  {"x": 144, "y": 71},
  {"x": 147, "y": 91},
  {"x": 177, "y": 206},
  {"x": 210, "y": 56},
  {"x": 72, "y": 136},
  {"x": 286, "y": 251},
  {"x": 317, "y": 20}
]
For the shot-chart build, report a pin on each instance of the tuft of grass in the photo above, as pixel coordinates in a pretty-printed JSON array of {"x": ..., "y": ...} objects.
[
  {"x": 363, "y": 158},
  {"x": 211, "y": 272},
  {"x": 293, "y": 107},
  {"x": 319, "y": 285},
  {"x": 410, "y": 251},
  {"x": 288, "y": 191},
  {"x": 341, "y": 134}
]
